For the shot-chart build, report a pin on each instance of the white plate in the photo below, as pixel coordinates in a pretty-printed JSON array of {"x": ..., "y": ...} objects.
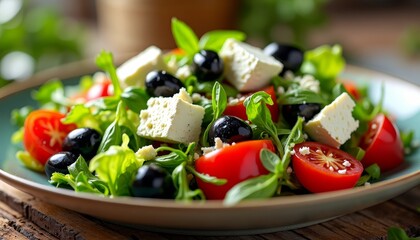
[{"x": 212, "y": 217}]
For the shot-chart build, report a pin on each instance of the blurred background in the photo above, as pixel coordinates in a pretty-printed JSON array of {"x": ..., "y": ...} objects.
[{"x": 38, "y": 34}]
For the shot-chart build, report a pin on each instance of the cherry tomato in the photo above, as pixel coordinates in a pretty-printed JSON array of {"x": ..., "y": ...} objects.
[
  {"x": 321, "y": 168},
  {"x": 44, "y": 134},
  {"x": 382, "y": 144},
  {"x": 234, "y": 163},
  {"x": 238, "y": 109},
  {"x": 100, "y": 89},
  {"x": 351, "y": 88}
]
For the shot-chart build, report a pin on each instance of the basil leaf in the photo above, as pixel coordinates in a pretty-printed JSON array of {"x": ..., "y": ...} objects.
[
  {"x": 185, "y": 37},
  {"x": 299, "y": 96},
  {"x": 263, "y": 186},
  {"x": 135, "y": 98},
  {"x": 219, "y": 100},
  {"x": 269, "y": 160},
  {"x": 214, "y": 40},
  {"x": 105, "y": 61},
  {"x": 110, "y": 137},
  {"x": 170, "y": 161}
]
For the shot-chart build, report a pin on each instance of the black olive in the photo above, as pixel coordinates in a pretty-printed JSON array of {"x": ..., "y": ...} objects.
[
  {"x": 162, "y": 84},
  {"x": 229, "y": 129},
  {"x": 306, "y": 110},
  {"x": 207, "y": 65},
  {"x": 290, "y": 56},
  {"x": 153, "y": 181},
  {"x": 59, "y": 163},
  {"x": 83, "y": 141}
]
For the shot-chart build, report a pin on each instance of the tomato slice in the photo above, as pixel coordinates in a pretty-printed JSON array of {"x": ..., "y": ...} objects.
[
  {"x": 44, "y": 134},
  {"x": 382, "y": 144},
  {"x": 321, "y": 168},
  {"x": 351, "y": 88},
  {"x": 238, "y": 109},
  {"x": 234, "y": 163}
]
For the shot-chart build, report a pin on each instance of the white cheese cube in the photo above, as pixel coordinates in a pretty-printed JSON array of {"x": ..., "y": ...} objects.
[
  {"x": 133, "y": 72},
  {"x": 247, "y": 67},
  {"x": 334, "y": 124},
  {"x": 171, "y": 119}
]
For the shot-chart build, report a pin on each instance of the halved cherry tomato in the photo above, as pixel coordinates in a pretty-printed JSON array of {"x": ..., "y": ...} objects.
[
  {"x": 238, "y": 109},
  {"x": 44, "y": 134},
  {"x": 235, "y": 163},
  {"x": 382, "y": 144},
  {"x": 321, "y": 168},
  {"x": 100, "y": 89}
]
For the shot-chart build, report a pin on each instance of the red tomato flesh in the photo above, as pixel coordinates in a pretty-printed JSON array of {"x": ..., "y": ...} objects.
[
  {"x": 235, "y": 163},
  {"x": 238, "y": 109},
  {"x": 321, "y": 168},
  {"x": 44, "y": 134},
  {"x": 382, "y": 144}
]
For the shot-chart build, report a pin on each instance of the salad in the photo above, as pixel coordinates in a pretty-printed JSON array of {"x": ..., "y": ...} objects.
[{"x": 215, "y": 118}]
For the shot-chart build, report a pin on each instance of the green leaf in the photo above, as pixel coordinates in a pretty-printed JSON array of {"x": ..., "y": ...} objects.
[
  {"x": 263, "y": 186},
  {"x": 19, "y": 115},
  {"x": 117, "y": 166},
  {"x": 300, "y": 96},
  {"x": 105, "y": 61},
  {"x": 181, "y": 183},
  {"x": 135, "y": 98},
  {"x": 184, "y": 36},
  {"x": 396, "y": 233},
  {"x": 28, "y": 161},
  {"x": 81, "y": 116},
  {"x": 269, "y": 160},
  {"x": 219, "y": 100},
  {"x": 214, "y": 40},
  {"x": 51, "y": 93},
  {"x": 207, "y": 178},
  {"x": 110, "y": 137},
  {"x": 325, "y": 63},
  {"x": 374, "y": 171}
]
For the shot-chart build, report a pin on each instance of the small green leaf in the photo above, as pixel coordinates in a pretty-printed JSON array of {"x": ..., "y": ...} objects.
[
  {"x": 181, "y": 183},
  {"x": 263, "y": 186},
  {"x": 135, "y": 98},
  {"x": 207, "y": 178},
  {"x": 28, "y": 161},
  {"x": 105, "y": 61},
  {"x": 19, "y": 115},
  {"x": 219, "y": 100},
  {"x": 184, "y": 36},
  {"x": 374, "y": 171},
  {"x": 299, "y": 96},
  {"x": 396, "y": 233},
  {"x": 214, "y": 40},
  {"x": 269, "y": 160}
]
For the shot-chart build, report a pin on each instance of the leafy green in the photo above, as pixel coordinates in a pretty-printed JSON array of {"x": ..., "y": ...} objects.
[
  {"x": 396, "y": 233},
  {"x": 80, "y": 179},
  {"x": 28, "y": 161},
  {"x": 117, "y": 166},
  {"x": 185, "y": 37},
  {"x": 135, "y": 98},
  {"x": 179, "y": 177},
  {"x": 409, "y": 143},
  {"x": 81, "y": 116},
  {"x": 219, "y": 102},
  {"x": 371, "y": 173},
  {"x": 18, "y": 116},
  {"x": 214, "y": 40},
  {"x": 105, "y": 61},
  {"x": 300, "y": 96},
  {"x": 325, "y": 63},
  {"x": 258, "y": 113},
  {"x": 51, "y": 93}
]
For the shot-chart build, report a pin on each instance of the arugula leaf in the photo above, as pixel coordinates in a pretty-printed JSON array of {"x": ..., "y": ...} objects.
[
  {"x": 214, "y": 40},
  {"x": 184, "y": 193},
  {"x": 185, "y": 37},
  {"x": 263, "y": 186},
  {"x": 117, "y": 167},
  {"x": 80, "y": 179},
  {"x": 105, "y": 61},
  {"x": 81, "y": 116},
  {"x": 206, "y": 178}
]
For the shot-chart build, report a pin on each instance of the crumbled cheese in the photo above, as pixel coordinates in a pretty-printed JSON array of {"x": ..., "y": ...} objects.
[
  {"x": 346, "y": 163},
  {"x": 304, "y": 150},
  {"x": 218, "y": 144},
  {"x": 289, "y": 170},
  {"x": 342, "y": 171},
  {"x": 308, "y": 82},
  {"x": 293, "y": 152},
  {"x": 147, "y": 152},
  {"x": 183, "y": 72},
  {"x": 331, "y": 169}
]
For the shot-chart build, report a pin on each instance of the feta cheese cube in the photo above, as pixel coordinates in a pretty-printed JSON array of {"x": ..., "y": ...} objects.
[
  {"x": 247, "y": 67},
  {"x": 171, "y": 119},
  {"x": 133, "y": 72},
  {"x": 334, "y": 124}
]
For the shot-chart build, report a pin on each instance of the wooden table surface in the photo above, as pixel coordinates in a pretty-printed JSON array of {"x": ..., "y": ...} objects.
[{"x": 24, "y": 217}]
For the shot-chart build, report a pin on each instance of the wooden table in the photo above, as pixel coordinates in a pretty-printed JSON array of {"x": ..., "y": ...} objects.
[{"x": 23, "y": 216}]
